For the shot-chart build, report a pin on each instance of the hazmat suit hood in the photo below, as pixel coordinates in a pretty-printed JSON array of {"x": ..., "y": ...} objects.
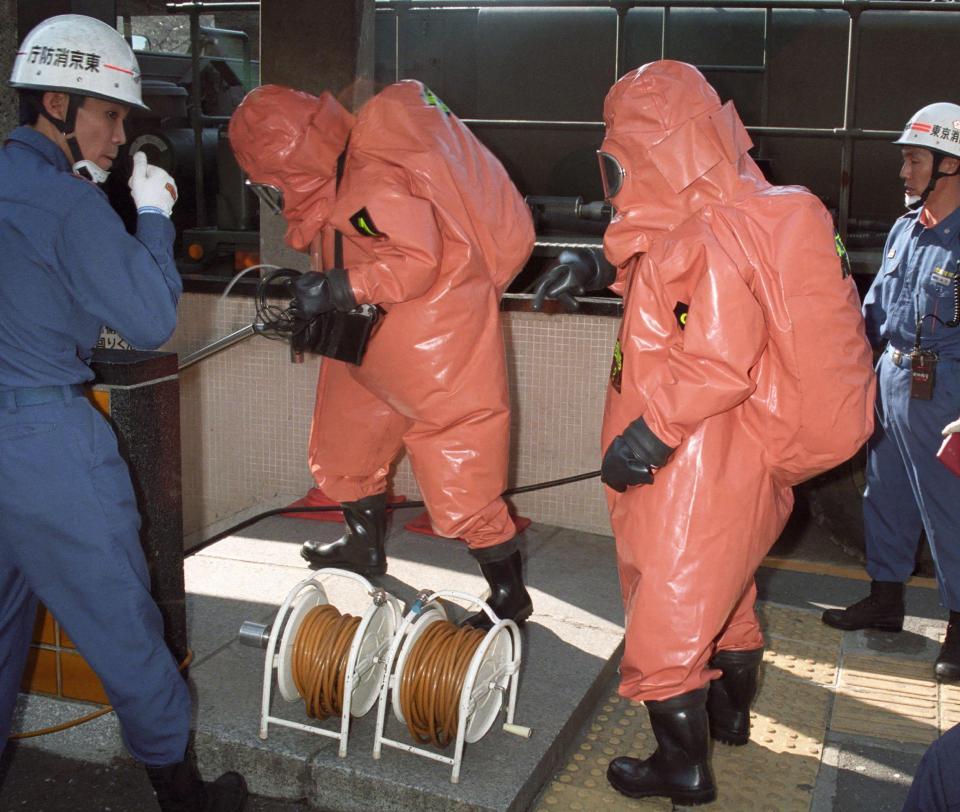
[
  {"x": 292, "y": 140},
  {"x": 680, "y": 150}
]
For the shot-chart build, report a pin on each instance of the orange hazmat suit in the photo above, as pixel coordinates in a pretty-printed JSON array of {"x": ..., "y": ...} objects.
[
  {"x": 741, "y": 348},
  {"x": 433, "y": 232}
]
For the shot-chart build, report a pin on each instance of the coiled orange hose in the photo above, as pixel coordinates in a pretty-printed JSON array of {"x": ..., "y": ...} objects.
[
  {"x": 433, "y": 678},
  {"x": 320, "y": 653}
]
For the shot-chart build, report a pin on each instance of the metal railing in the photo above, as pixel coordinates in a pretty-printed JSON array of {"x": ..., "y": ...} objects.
[{"x": 846, "y": 133}]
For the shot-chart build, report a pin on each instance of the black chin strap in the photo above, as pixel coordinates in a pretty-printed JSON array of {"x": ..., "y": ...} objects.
[
  {"x": 935, "y": 175},
  {"x": 67, "y": 126}
]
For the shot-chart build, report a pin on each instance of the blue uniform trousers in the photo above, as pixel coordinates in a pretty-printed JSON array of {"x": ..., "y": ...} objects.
[
  {"x": 936, "y": 784},
  {"x": 907, "y": 487},
  {"x": 69, "y": 536}
]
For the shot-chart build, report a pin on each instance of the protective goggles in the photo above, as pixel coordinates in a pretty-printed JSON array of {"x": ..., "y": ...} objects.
[
  {"x": 612, "y": 174},
  {"x": 266, "y": 193}
]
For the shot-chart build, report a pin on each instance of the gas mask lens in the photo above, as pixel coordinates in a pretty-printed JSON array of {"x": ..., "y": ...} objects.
[
  {"x": 269, "y": 195},
  {"x": 611, "y": 174}
]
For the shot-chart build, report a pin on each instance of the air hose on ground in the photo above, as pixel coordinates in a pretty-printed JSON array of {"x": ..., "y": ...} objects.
[
  {"x": 553, "y": 483},
  {"x": 29, "y": 734},
  {"x": 538, "y": 486}
]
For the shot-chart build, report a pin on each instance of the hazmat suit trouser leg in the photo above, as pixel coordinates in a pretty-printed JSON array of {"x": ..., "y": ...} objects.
[
  {"x": 462, "y": 470},
  {"x": 742, "y": 631},
  {"x": 688, "y": 547},
  {"x": 907, "y": 487},
  {"x": 354, "y": 438},
  {"x": 460, "y": 466},
  {"x": 69, "y": 536}
]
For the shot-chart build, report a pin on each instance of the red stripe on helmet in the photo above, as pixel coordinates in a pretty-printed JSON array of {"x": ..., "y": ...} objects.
[
  {"x": 116, "y": 67},
  {"x": 921, "y": 127}
]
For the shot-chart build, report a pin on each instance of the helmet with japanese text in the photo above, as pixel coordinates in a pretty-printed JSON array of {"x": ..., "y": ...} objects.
[
  {"x": 79, "y": 55},
  {"x": 935, "y": 127}
]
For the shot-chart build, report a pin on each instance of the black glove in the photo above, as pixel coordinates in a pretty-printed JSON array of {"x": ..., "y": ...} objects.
[
  {"x": 632, "y": 456},
  {"x": 312, "y": 292},
  {"x": 574, "y": 272},
  {"x": 317, "y": 292}
]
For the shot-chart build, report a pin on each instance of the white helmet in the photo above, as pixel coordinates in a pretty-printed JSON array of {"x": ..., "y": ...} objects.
[
  {"x": 72, "y": 53},
  {"x": 935, "y": 127}
]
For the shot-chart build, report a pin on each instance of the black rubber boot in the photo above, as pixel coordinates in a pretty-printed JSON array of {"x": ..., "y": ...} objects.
[
  {"x": 947, "y": 667},
  {"x": 361, "y": 547},
  {"x": 502, "y": 566},
  {"x": 179, "y": 788},
  {"x": 882, "y": 609},
  {"x": 679, "y": 768},
  {"x": 730, "y": 695}
]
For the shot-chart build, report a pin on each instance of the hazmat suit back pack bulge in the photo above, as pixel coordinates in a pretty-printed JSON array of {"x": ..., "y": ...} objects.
[
  {"x": 433, "y": 232},
  {"x": 741, "y": 348}
]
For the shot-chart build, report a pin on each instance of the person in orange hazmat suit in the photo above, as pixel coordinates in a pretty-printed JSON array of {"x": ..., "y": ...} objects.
[
  {"x": 432, "y": 231},
  {"x": 741, "y": 369}
]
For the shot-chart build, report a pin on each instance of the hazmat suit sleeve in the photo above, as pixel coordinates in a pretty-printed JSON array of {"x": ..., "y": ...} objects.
[
  {"x": 129, "y": 282},
  {"x": 723, "y": 335},
  {"x": 400, "y": 231}
]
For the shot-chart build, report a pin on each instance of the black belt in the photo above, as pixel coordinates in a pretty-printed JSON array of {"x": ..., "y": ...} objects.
[{"x": 35, "y": 395}]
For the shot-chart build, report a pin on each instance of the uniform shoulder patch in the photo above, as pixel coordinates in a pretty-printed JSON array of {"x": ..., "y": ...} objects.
[
  {"x": 363, "y": 223},
  {"x": 680, "y": 311},
  {"x": 847, "y": 269},
  {"x": 431, "y": 100}
]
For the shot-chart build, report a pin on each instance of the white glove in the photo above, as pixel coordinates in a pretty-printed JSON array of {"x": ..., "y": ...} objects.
[
  {"x": 152, "y": 188},
  {"x": 951, "y": 428}
]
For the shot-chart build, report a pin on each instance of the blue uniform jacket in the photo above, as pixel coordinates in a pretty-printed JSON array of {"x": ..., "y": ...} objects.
[
  {"x": 919, "y": 274},
  {"x": 68, "y": 266}
]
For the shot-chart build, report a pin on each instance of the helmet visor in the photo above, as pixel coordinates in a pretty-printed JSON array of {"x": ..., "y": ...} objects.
[
  {"x": 268, "y": 194},
  {"x": 611, "y": 174}
]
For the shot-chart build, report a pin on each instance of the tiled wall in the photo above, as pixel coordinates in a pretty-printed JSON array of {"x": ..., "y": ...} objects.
[
  {"x": 245, "y": 416},
  {"x": 54, "y": 666}
]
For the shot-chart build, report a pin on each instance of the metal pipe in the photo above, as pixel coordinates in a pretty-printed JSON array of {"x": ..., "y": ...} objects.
[
  {"x": 849, "y": 6},
  {"x": 849, "y": 113},
  {"x": 256, "y": 635},
  {"x": 220, "y": 344},
  {"x": 201, "y": 6},
  {"x": 195, "y": 114},
  {"x": 414, "y": 5},
  {"x": 813, "y": 132}
]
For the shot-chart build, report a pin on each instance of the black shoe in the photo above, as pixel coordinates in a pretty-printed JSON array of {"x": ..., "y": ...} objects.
[
  {"x": 947, "y": 667},
  {"x": 179, "y": 788},
  {"x": 361, "y": 547},
  {"x": 882, "y": 609},
  {"x": 502, "y": 566},
  {"x": 679, "y": 769},
  {"x": 730, "y": 695}
]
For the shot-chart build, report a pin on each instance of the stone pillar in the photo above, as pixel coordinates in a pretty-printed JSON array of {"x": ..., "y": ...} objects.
[
  {"x": 312, "y": 51},
  {"x": 139, "y": 391}
]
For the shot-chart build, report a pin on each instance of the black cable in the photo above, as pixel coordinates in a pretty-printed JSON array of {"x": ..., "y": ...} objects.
[
  {"x": 539, "y": 486},
  {"x": 276, "y": 322}
]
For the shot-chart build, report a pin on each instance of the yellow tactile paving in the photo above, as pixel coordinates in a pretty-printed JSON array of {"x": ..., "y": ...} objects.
[
  {"x": 776, "y": 771},
  {"x": 949, "y": 706},
  {"x": 886, "y": 698},
  {"x": 811, "y": 662},
  {"x": 878, "y": 696},
  {"x": 796, "y": 624}
]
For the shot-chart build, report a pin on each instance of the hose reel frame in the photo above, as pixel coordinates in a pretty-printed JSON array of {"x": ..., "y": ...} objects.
[
  {"x": 379, "y": 623},
  {"x": 476, "y": 713}
]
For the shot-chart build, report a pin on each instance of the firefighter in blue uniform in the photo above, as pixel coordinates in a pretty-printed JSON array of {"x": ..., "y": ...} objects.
[
  {"x": 913, "y": 308},
  {"x": 936, "y": 783},
  {"x": 68, "y": 517}
]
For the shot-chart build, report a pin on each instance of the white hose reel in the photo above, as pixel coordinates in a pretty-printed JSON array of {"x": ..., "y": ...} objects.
[
  {"x": 492, "y": 675},
  {"x": 366, "y": 662}
]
